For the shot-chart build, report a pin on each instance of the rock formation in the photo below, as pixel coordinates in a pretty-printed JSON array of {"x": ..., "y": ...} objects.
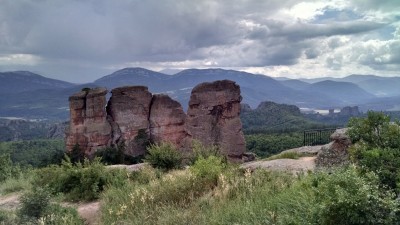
[
  {"x": 213, "y": 117},
  {"x": 129, "y": 109},
  {"x": 335, "y": 153},
  {"x": 134, "y": 117},
  {"x": 167, "y": 121},
  {"x": 88, "y": 125}
]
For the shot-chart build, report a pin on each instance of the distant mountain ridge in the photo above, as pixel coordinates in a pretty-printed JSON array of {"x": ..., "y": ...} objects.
[
  {"x": 19, "y": 81},
  {"x": 30, "y": 95}
]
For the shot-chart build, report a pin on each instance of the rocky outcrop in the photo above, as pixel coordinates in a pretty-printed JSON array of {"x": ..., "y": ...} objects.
[
  {"x": 213, "y": 117},
  {"x": 88, "y": 125},
  {"x": 335, "y": 153},
  {"x": 134, "y": 117},
  {"x": 129, "y": 109},
  {"x": 349, "y": 111},
  {"x": 57, "y": 130},
  {"x": 167, "y": 121}
]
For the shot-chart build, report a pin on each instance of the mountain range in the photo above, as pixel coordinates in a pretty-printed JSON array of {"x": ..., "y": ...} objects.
[{"x": 29, "y": 95}]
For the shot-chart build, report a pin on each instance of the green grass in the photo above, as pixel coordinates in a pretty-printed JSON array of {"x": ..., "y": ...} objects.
[
  {"x": 245, "y": 197},
  {"x": 286, "y": 155}
]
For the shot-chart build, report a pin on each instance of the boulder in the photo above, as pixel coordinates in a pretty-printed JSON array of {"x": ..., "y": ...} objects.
[
  {"x": 129, "y": 109},
  {"x": 167, "y": 121},
  {"x": 335, "y": 153},
  {"x": 213, "y": 117},
  {"x": 88, "y": 125}
]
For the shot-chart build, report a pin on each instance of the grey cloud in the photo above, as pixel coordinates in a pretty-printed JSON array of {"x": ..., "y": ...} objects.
[
  {"x": 301, "y": 30},
  {"x": 97, "y": 34}
]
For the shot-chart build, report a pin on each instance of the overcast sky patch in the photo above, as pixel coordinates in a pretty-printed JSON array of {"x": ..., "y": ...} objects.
[{"x": 80, "y": 41}]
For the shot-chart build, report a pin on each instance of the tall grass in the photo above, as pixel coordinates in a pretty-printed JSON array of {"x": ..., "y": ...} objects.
[
  {"x": 18, "y": 183},
  {"x": 245, "y": 197}
]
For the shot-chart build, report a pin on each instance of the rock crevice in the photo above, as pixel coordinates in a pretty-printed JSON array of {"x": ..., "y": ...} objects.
[{"x": 134, "y": 117}]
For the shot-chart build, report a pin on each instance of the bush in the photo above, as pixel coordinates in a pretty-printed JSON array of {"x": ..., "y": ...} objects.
[
  {"x": 79, "y": 181},
  {"x": 375, "y": 130},
  {"x": 37, "y": 209},
  {"x": 199, "y": 150},
  {"x": 345, "y": 197},
  {"x": 164, "y": 156},
  {"x": 116, "y": 155},
  {"x": 16, "y": 184},
  {"x": 377, "y": 147},
  {"x": 58, "y": 215},
  {"x": 76, "y": 155},
  {"x": 208, "y": 169},
  {"x": 7, "y": 169},
  {"x": 34, "y": 204}
]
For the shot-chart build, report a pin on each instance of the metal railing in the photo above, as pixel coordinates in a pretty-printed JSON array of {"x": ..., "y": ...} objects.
[{"x": 318, "y": 136}]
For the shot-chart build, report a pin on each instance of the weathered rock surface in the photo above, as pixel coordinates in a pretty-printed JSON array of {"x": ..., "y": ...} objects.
[
  {"x": 167, "y": 121},
  {"x": 57, "y": 130},
  {"x": 213, "y": 117},
  {"x": 88, "y": 125},
  {"x": 129, "y": 108},
  {"x": 334, "y": 153},
  {"x": 134, "y": 117}
]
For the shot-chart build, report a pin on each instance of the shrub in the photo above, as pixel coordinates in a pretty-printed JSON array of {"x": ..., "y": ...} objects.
[
  {"x": 6, "y": 167},
  {"x": 116, "y": 155},
  {"x": 377, "y": 147},
  {"x": 111, "y": 155},
  {"x": 208, "y": 169},
  {"x": 345, "y": 197},
  {"x": 164, "y": 156},
  {"x": 34, "y": 204},
  {"x": 76, "y": 154},
  {"x": 79, "y": 181},
  {"x": 37, "y": 209},
  {"x": 145, "y": 175},
  {"x": 58, "y": 215},
  {"x": 7, "y": 217},
  {"x": 199, "y": 150},
  {"x": 15, "y": 184},
  {"x": 375, "y": 130}
]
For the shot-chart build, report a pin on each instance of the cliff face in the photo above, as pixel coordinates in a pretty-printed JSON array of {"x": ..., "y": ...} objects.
[
  {"x": 213, "y": 117},
  {"x": 167, "y": 121},
  {"x": 88, "y": 125},
  {"x": 135, "y": 117},
  {"x": 129, "y": 109}
]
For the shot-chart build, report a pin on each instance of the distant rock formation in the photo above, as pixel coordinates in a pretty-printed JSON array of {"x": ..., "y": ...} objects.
[
  {"x": 349, "y": 111},
  {"x": 57, "y": 130},
  {"x": 88, "y": 125},
  {"x": 213, "y": 117},
  {"x": 134, "y": 117}
]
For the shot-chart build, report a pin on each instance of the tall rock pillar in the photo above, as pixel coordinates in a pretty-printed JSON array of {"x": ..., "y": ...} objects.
[
  {"x": 129, "y": 109},
  {"x": 88, "y": 127},
  {"x": 213, "y": 117}
]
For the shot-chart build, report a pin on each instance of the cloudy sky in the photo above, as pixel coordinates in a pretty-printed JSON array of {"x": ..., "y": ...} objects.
[{"x": 82, "y": 40}]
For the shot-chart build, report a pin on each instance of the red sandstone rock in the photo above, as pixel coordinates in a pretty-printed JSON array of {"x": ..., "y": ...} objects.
[
  {"x": 134, "y": 117},
  {"x": 213, "y": 117},
  {"x": 88, "y": 125},
  {"x": 167, "y": 121},
  {"x": 129, "y": 109}
]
